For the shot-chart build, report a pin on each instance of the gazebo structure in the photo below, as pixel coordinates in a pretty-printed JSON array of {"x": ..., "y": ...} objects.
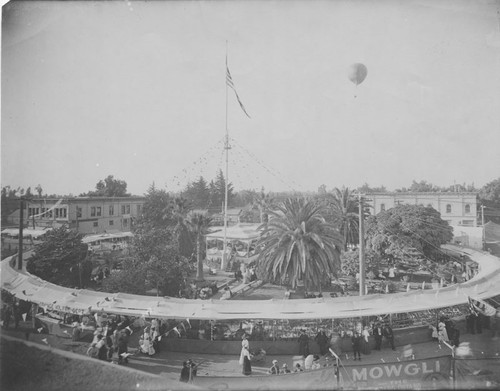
[{"x": 241, "y": 243}]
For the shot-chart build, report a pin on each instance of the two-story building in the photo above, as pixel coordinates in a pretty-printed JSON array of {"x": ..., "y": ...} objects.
[
  {"x": 85, "y": 214},
  {"x": 458, "y": 209}
]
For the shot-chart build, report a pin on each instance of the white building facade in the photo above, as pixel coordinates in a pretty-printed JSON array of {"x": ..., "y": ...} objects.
[{"x": 458, "y": 209}]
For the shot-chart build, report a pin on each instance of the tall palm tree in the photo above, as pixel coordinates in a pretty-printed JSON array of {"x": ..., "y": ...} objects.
[
  {"x": 198, "y": 224},
  {"x": 345, "y": 214},
  {"x": 263, "y": 202},
  {"x": 299, "y": 244}
]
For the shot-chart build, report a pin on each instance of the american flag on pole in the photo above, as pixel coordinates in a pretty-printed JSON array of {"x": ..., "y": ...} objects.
[
  {"x": 481, "y": 306},
  {"x": 230, "y": 83}
]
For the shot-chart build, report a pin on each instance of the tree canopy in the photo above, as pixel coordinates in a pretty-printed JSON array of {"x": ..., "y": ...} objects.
[
  {"x": 109, "y": 187},
  {"x": 405, "y": 229},
  {"x": 156, "y": 258},
  {"x": 489, "y": 197},
  {"x": 61, "y": 258}
]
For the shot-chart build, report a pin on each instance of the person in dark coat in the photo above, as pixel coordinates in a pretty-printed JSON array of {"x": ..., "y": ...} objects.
[
  {"x": 356, "y": 345},
  {"x": 454, "y": 336},
  {"x": 6, "y": 316},
  {"x": 389, "y": 335},
  {"x": 245, "y": 361},
  {"x": 377, "y": 334},
  {"x": 184, "y": 372},
  {"x": 303, "y": 344},
  {"x": 323, "y": 342},
  {"x": 122, "y": 347}
]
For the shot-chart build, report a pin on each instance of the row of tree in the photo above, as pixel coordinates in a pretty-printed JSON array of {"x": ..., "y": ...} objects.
[{"x": 302, "y": 240}]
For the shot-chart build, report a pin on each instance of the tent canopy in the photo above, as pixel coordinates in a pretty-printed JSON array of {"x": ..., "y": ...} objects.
[
  {"x": 243, "y": 232},
  {"x": 106, "y": 236},
  {"x": 27, "y": 232}
]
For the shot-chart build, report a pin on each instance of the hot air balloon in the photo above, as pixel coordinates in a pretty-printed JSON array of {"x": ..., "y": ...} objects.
[{"x": 357, "y": 73}]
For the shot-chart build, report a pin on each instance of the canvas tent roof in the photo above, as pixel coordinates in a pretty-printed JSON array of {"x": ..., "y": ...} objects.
[
  {"x": 34, "y": 233},
  {"x": 104, "y": 236},
  {"x": 28, "y": 287},
  {"x": 239, "y": 231}
]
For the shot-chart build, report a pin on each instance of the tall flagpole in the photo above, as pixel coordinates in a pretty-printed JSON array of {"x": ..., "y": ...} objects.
[{"x": 226, "y": 147}]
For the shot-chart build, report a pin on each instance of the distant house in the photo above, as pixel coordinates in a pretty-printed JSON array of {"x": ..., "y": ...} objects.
[
  {"x": 233, "y": 217},
  {"x": 87, "y": 215}
]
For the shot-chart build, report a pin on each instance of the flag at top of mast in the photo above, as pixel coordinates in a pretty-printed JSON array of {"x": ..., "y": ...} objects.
[{"x": 230, "y": 83}]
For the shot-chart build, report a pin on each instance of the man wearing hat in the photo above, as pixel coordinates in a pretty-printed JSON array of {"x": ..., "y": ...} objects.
[{"x": 275, "y": 369}]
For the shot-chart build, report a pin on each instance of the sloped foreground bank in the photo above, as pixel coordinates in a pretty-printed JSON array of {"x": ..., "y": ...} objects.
[{"x": 30, "y": 366}]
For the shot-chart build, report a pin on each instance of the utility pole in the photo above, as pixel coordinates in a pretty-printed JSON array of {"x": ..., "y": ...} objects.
[
  {"x": 361, "y": 249},
  {"x": 482, "y": 224},
  {"x": 20, "y": 243}
]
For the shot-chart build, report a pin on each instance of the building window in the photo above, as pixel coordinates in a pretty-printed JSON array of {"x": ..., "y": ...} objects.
[
  {"x": 92, "y": 211},
  {"x": 128, "y": 209},
  {"x": 138, "y": 209},
  {"x": 123, "y": 209},
  {"x": 469, "y": 223},
  {"x": 448, "y": 208},
  {"x": 61, "y": 213},
  {"x": 96, "y": 224},
  {"x": 111, "y": 222},
  {"x": 382, "y": 207},
  {"x": 98, "y": 210},
  {"x": 467, "y": 208},
  {"x": 125, "y": 222},
  {"x": 111, "y": 210},
  {"x": 78, "y": 212}
]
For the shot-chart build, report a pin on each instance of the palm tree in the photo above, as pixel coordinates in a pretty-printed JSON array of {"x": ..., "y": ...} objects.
[
  {"x": 299, "y": 244},
  {"x": 198, "y": 224},
  {"x": 263, "y": 202},
  {"x": 345, "y": 214}
]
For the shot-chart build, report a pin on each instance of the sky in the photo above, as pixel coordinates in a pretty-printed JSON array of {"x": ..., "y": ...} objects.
[{"x": 138, "y": 90}]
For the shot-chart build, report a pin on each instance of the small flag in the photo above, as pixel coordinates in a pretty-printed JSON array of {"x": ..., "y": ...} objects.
[
  {"x": 24, "y": 317},
  {"x": 482, "y": 306},
  {"x": 189, "y": 323},
  {"x": 159, "y": 338},
  {"x": 177, "y": 331},
  {"x": 125, "y": 355},
  {"x": 129, "y": 329},
  {"x": 45, "y": 341},
  {"x": 230, "y": 83},
  {"x": 40, "y": 329},
  {"x": 382, "y": 360}
]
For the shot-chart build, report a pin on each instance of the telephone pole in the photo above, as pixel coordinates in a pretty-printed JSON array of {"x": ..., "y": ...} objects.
[
  {"x": 20, "y": 243},
  {"x": 482, "y": 224},
  {"x": 361, "y": 248}
]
